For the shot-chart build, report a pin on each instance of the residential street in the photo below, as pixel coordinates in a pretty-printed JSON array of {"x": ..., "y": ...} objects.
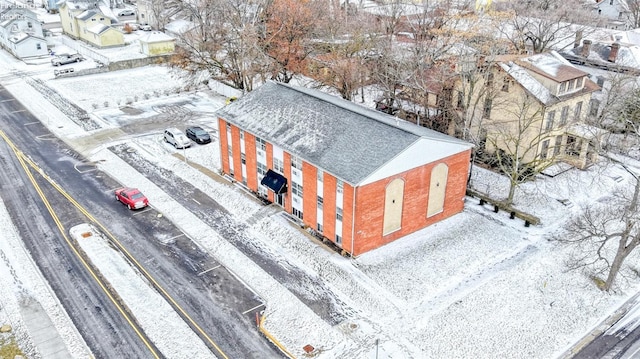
[
  {"x": 179, "y": 266},
  {"x": 104, "y": 329}
]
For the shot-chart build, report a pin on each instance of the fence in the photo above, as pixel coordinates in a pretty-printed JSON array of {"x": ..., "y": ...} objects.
[
  {"x": 94, "y": 70},
  {"x": 132, "y": 63},
  {"x": 224, "y": 90},
  {"x": 84, "y": 50}
]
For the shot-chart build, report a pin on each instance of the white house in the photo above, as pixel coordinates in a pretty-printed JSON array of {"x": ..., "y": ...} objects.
[
  {"x": 615, "y": 12},
  {"x": 21, "y": 32}
]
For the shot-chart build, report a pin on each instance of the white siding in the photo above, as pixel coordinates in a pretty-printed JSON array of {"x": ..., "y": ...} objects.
[
  {"x": 419, "y": 153},
  {"x": 261, "y": 156},
  {"x": 296, "y": 176},
  {"x": 296, "y": 202},
  {"x": 277, "y": 153}
]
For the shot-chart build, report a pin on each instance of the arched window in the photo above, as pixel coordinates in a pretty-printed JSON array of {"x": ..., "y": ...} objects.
[
  {"x": 437, "y": 189},
  {"x": 393, "y": 206}
]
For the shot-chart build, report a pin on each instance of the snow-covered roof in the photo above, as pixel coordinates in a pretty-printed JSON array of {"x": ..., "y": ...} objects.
[
  {"x": 79, "y": 4},
  {"x": 628, "y": 55},
  {"x": 98, "y": 28},
  {"x": 179, "y": 26},
  {"x": 527, "y": 81},
  {"x": 85, "y": 15},
  {"x": 350, "y": 141},
  {"x": 629, "y": 38},
  {"x": 155, "y": 36},
  {"x": 11, "y": 13},
  {"x": 19, "y": 37},
  {"x": 586, "y": 131},
  {"x": 551, "y": 65},
  {"x": 107, "y": 11}
]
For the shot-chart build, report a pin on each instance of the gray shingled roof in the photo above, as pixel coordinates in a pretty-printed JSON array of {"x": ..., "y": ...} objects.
[
  {"x": 341, "y": 137},
  {"x": 86, "y": 15}
]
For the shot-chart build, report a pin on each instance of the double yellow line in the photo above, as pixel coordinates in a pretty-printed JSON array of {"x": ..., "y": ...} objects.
[{"x": 26, "y": 162}]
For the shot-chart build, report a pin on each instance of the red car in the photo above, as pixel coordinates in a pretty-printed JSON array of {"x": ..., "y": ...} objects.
[{"x": 131, "y": 197}]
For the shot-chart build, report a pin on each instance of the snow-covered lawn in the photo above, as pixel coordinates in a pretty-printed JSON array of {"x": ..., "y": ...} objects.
[{"x": 478, "y": 285}]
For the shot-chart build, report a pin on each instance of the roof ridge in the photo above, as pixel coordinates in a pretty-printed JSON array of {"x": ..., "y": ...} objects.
[{"x": 386, "y": 119}]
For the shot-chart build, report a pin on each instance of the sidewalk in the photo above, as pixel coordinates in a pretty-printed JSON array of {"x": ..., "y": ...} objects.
[{"x": 44, "y": 334}]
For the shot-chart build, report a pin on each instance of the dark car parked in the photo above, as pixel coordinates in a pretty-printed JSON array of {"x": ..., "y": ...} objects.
[{"x": 198, "y": 134}]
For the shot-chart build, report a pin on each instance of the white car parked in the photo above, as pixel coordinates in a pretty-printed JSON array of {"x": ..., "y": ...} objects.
[
  {"x": 176, "y": 138},
  {"x": 126, "y": 12}
]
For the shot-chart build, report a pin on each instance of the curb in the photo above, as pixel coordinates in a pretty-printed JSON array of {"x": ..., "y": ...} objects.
[{"x": 600, "y": 329}]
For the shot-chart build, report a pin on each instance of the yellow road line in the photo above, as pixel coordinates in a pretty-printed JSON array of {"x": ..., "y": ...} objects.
[
  {"x": 124, "y": 250},
  {"x": 22, "y": 158}
]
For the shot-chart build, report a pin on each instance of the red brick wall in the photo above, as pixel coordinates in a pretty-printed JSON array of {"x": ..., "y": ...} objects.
[
  {"x": 251, "y": 161},
  {"x": 235, "y": 149},
  {"x": 369, "y": 199},
  {"x": 222, "y": 134},
  {"x": 329, "y": 211},
  {"x": 310, "y": 193},
  {"x": 370, "y": 203}
]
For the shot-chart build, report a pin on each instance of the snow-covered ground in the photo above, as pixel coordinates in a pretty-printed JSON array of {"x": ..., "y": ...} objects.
[{"x": 478, "y": 285}]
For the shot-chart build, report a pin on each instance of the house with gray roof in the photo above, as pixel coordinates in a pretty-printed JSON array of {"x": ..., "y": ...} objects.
[
  {"x": 90, "y": 21},
  {"x": 613, "y": 62},
  {"x": 357, "y": 177}
]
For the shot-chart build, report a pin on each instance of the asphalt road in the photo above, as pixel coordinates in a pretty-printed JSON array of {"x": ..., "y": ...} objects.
[
  {"x": 212, "y": 299},
  {"x": 104, "y": 329},
  {"x": 623, "y": 342},
  {"x": 309, "y": 289}
]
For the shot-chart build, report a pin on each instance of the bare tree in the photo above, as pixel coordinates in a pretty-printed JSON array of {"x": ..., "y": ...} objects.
[
  {"x": 634, "y": 13},
  {"x": 157, "y": 12},
  {"x": 224, "y": 42},
  {"x": 289, "y": 25},
  {"x": 345, "y": 49},
  {"x": 517, "y": 140},
  {"x": 629, "y": 115},
  {"x": 616, "y": 109},
  {"x": 540, "y": 25},
  {"x": 423, "y": 66},
  {"x": 606, "y": 233}
]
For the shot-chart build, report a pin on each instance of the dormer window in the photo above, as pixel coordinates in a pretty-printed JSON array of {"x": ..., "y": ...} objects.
[
  {"x": 563, "y": 87},
  {"x": 571, "y": 84}
]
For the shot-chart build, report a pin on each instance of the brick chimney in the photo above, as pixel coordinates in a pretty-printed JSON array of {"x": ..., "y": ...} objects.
[
  {"x": 613, "y": 54},
  {"x": 578, "y": 39},
  {"x": 586, "y": 48}
]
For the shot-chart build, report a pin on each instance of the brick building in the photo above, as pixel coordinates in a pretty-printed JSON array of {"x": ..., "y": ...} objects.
[{"x": 357, "y": 176}]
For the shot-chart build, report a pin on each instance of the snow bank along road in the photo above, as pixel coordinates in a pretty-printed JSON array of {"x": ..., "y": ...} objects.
[{"x": 214, "y": 304}]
